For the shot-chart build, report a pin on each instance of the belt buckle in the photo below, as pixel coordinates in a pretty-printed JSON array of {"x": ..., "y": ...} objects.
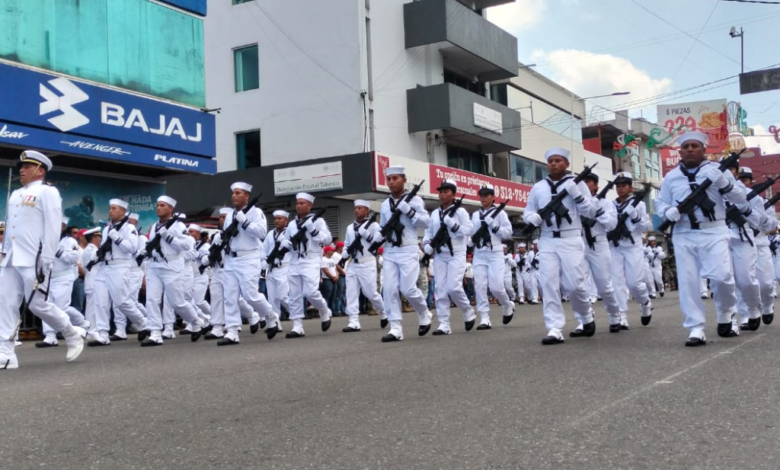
[{"x": 556, "y": 234}]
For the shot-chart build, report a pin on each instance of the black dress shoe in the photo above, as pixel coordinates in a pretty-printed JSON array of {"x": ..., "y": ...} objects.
[
  {"x": 768, "y": 318},
  {"x": 624, "y": 327},
  {"x": 148, "y": 342},
  {"x": 97, "y": 344},
  {"x": 507, "y": 319},
  {"x": 383, "y": 323},
  {"x": 548, "y": 340},
  {"x": 652, "y": 297},
  {"x": 753, "y": 324},
  {"x": 44, "y": 344},
  {"x": 226, "y": 342},
  {"x": 439, "y": 333},
  {"x": 270, "y": 333},
  {"x": 576, "y": 333},
  {"x": 661, "y": 294},
  {"x": 693, "y": 342},
  {"x": 724, "y": 330},
  {"x": 294, "y": 334},
  {"x": 262, "y": 324},
  {"x": 589, "y": 329},
  {"x": 142, "y": 335},
  {"x": 114, "y": 338},
  {"x": 646, "y": 320},
  {"x": 244, "y": 321},
  {"x": 614, "y": 328},
  {"x": 483, "y": 327},
  {"x": 184, "y": 332},
  {"x": 197, "y": 334},
  {"x": 256, "y": 327},
  {"x": 349, "y": 329},
  {"x": 470, "y": 325},
  {"x": 390, "y": 338},
  {"x": 326, "y": 325},
  {"x": 423, "y": 330},
  {"x": 210, "y": 336}
]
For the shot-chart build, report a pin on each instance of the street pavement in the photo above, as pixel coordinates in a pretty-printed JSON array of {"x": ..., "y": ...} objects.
[{"x": 484, "y": 399}]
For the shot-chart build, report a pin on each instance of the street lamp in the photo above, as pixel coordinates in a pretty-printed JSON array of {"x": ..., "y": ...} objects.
[
  {"x": 741, "y": 35},
  {"x": 574, "y": 99}
]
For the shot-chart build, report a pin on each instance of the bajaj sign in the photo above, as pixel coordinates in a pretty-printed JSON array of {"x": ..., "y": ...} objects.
[{"x": 47, "y": 101}]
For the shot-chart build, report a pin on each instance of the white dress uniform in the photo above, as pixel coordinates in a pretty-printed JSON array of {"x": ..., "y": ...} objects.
[
  {"x": 242, "y": 271},
  {"x": 190, "y": 257},
  {"x": 93, "y": 298},
  {"x": 33, "y": 225},
  {"x": 490, "y": 265},
  {"x": 701, "y": 247},
  {"x": 114, "y": 275},
  {"x": 509, "y": 265},
  {"x": 362, "y": 270},
  {"x": 135, "y": 279},
  {"x": 598, "y": 257},
  {"x": 657, "y": 266},
  {"x": 648, "y": 270},
  {"x": 519, "y": 271},
  {"x": 628, "y": 258},
  {"x": 450, "y": 267},
  {"x": 562, "y": 249},
  {"x": 63, "y": 275},
  {"x": 304, "y": 271},
  {"x": 277, "y": 277},
  {"x": 165, "y": 276},
  {"x": 774, "y": 243},
  {"x": 531, "y": 278},
  {"x": 764, "y": 266},
  {"x": 400, "y": 263},
  {"x": 200, "y": 282}
]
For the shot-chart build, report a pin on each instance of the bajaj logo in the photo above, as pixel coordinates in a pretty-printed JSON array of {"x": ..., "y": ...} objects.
[{"x": 70, "y": 95}]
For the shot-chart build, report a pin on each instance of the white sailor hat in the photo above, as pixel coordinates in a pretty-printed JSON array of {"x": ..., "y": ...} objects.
[
  {"x": 92, "y": 231},
  {"x": 31, "y": 156},
  {"x": 651, "y": 238},
  {"x": 448, "y": 184},
  {"x": 305, "y": 196},
  {"x": 168, "y": 200},
  {"x": 745, "y": 172},
  {"x": 487, "y": 188},
  {"x": 241, "y": 185},
  {"x": 362, "y": 203},
  {"x": 225, "y": 211},
  {"x": 521, "y": 245},
  {"x": 118, "y": 202},
  {"x": 535, "y": 241},
  {"x": 281, "y": 213},
  {"x": 559, "y": 151},
  {"x": 134, "y": 216},
  {"x": 195, "y": 227},
  {"x": 698, "y": 136},
  {"x": 182, "y": 216},
  {"x": 65, "y": 220},
  {"x": 624, "y": 177},
  {"x": 395, "y": 170}
]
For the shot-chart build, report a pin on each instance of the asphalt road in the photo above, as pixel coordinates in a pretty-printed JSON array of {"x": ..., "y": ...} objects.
[{"x": 492, "y": 399}]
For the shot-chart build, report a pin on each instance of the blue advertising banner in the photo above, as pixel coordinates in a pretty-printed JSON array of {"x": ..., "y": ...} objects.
[
  {"x": 85, "y": 198},
  {"x": 72, "y": 107},
  {"x": 195, "y": 6},
  {"x": 30, "y": 137}
]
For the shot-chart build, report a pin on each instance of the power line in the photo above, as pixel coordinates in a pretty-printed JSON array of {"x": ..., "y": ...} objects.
[
  {"x": 693, "y": 44},
  {"x": 754, "y": 1}
]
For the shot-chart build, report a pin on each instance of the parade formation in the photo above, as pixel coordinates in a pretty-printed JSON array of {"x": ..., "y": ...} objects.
[{"x": 580, "y": 248}]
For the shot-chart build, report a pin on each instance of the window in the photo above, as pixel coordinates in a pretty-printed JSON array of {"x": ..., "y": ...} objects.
[
  {"x": 248, "y": 150},
  {"x": 527, "y": 171},
  {"x": 498, "y": 93},
  {"x": 463, "y": 82},
  {"x": 464, "y": 159},
  {"x": 247, "y": 67}
]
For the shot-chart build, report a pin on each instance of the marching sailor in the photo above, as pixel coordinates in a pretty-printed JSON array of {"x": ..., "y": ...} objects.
[
  {"x": 656, "y": 257},
  {"x": 520, "y": 263},
  {"x": 135, "y": 279},
  {"x": 276, "y": 277},
  {"x": 510, "y": 267}
]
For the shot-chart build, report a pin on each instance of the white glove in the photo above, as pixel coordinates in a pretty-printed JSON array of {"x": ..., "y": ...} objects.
[
  {"x": 404, "y": 207},
  {"x": 278, "y": 262},
  {"x": 631, "y": 211},
  {"x": 46, "y": 264},
  {"x": 450, "y": 222},
  {"x": 428, "y": 249},
  {"x": 533, "y": 219},
  {"x": 672, "y": 214},
  {"x": 308, "y": 225},
  {"x": 240, "y": 217},
  {"x": 217, "y": 239},
  {"x": 488, "y": 220},
  {"x": 285, "y": 244},
  {"x": 493, "y": 224},
  {"x": 205, "y": 260},
  {"x": 162, "y": 232},
  {"x": 572, "y": 189},
  {"x": 364, "y": 233},
  {"x": 113, "y": 234},
  {"x": 263, "y": 265}
]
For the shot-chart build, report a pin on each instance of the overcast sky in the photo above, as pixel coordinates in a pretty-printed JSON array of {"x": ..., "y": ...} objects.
[{"x": 650, "y": 47}]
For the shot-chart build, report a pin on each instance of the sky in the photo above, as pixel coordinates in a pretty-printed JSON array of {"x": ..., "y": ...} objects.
[{"x": 650, "y": 48}]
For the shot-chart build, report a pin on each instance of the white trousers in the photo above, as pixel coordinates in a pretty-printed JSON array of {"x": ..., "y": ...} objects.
[
  {"x": 120, "y": 293},
  {"x": 278, "y": 285},
  {"x": 520, "y": 287},
  {"x": 658, "y": 277},
  {"x": 776, "y": 262},
  {"x": 17, "y": 285},
  {"x": 765, "y": 273},
  {"x": 648, "y": 280},
  {"x": 170, "y": 283},
  {"x": 362, "y": 277},
  {"x": 562, "y": 270},
  {"x": 704, "y": 254},
  {"x": 703, "y": 287},
  {"x": 489, "y": 267},
  {"x": 599, "y": 264},
  {"x": 629, "y": 270},
  {"x": 531, "y": 284},
  {"x": 135, "y": 278},
  {"x": 743, "y": 258},
  {"x": 449, "y": 271},
  {"x": 242, "y": 279},
  {"x": 60, "y": 291},
  {"x": 305, "y": 283},
  {"x": 218, "y": 303},
  {"x": 200, "y": 284},
  {"x": 399, "y": 277},
  {"x": 509, "y": 289}
]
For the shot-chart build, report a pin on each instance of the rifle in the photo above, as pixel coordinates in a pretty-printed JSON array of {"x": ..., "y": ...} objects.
[
  {"x": 555, "y": 207},
  {"x": 295, "y": 241},
  {"x": 154, "y": 243},
  {"x": 357, "y": 244},
  {"x": 106, "y": 247},
  {"x": 482, "y": 236},
  {"x": 394, "y": 224},
  {"x": 215, "y": 251},
  {"x": 587, "y": 221},
  {"x": 734, "y": 215},
  {"x": 621, "y": 231},
  {"x": 698, "y": 197},
  {"x": 772, "y": 201},
  {"x": 442, "y": 236}
]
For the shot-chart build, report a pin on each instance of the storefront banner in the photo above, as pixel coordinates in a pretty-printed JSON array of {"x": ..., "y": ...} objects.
[{"x": 705, "y": 116}]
